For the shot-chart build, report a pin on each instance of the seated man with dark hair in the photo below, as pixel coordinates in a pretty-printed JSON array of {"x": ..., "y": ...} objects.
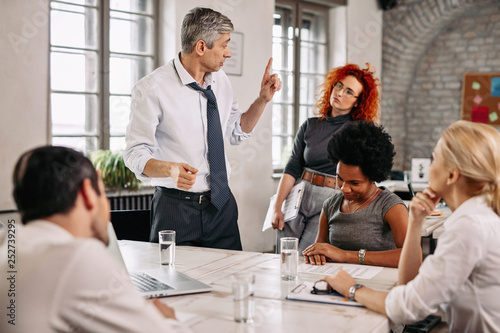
[{"x": 65, "y": 280}]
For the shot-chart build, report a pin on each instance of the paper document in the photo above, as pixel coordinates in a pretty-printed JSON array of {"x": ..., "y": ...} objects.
[
  {"x": 303, "y": 293},
  {"x": 356, "y": 271},
  {"x": 431, "y": 223},
  {"x": 290, "y": 207},
  {"x": 292, "y": 203}
]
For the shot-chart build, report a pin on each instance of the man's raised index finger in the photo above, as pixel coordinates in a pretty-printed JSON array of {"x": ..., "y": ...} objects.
[{"x": 268, "y": 67}]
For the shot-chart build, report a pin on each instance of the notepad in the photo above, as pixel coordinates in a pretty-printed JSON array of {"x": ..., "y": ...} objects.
[{"x": 290, "y": 207}]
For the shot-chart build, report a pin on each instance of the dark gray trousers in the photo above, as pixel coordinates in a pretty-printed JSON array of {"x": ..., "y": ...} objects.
[{"x": 196, "y": 221}]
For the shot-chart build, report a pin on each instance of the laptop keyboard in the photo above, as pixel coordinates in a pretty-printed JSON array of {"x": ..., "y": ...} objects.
[{"x": 147, "y": 283}]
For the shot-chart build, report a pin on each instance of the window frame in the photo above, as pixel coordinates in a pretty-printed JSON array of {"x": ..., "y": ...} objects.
[
  {"x": 104, "y": 54},
  {"x": 298, "y": 8}
]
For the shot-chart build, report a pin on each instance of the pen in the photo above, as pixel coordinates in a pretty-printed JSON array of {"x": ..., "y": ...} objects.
[{"x": 410, "y": 188}]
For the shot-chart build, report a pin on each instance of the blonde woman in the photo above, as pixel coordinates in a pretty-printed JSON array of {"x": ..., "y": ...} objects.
[{"x": 462, "y": 276}]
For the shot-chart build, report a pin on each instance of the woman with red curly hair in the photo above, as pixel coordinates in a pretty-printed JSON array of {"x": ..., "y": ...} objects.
[{"x": 348, "y": 93}]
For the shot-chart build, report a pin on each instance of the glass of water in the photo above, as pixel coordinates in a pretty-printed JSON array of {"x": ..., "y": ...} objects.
[
  {"x": 243, "y": 291},
  {"x": 289, "y": 248},
  {"x": 167, "y": 247}
]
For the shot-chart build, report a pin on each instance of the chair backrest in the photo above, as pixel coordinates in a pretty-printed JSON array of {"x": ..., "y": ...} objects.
[{"x": 131, "y": 224}]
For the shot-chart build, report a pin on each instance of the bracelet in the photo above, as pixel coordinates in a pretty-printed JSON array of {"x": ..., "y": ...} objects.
[
  {"x": 361, "y": 256},
  {"x": 352, "y": 291}
]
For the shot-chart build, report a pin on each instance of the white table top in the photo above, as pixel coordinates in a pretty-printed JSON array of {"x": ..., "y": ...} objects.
[{"x": 213, "y": 311}]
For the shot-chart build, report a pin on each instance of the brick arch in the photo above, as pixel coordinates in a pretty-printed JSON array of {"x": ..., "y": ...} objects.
[{"x": 409, "y": 30}]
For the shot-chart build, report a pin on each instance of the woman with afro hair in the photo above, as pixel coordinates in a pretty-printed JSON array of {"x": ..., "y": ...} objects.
[
  {"x": 363, "y": 223},
  {"x": 348, "y": 93}
]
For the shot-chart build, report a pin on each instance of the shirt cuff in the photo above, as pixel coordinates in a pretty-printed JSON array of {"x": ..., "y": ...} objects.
[
  {"x": 139, "y": 168},
  {"x": 238, "y": 134},
  {"x": 404, "y": 306}
]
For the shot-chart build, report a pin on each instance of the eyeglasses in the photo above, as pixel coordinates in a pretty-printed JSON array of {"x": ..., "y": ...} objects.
[
  {"x": 348, "y": 92},
  {"x": 321, "y": 287}
]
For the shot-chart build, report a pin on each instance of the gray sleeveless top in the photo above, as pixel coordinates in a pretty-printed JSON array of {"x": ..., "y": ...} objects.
[{"x": 364, "y": 229}]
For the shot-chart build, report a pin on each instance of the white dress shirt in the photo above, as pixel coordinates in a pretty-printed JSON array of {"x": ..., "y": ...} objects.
[
  {"x": 168, "y": 122},
  {"x": 68, "y": 284},
  {"x": 463, "y": 275}
]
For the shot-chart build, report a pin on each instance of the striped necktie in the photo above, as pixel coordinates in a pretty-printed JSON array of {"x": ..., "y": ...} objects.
[{"x": 216, "y": 158}]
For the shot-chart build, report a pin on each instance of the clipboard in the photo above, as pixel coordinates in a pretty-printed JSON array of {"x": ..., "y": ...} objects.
[
  {"x": 292, "y": 203},
  {"x": 290, "y": 207}
]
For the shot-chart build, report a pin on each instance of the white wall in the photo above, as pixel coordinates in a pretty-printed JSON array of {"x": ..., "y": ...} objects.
[
  {"x": 24, "y": 65},
  {"x": 24, "y": 88},
  {"x": 24, "y": 103},
  {"x": 356, "y": 34},
  {"x": 356, "y": 37},
  {"x": 250, "y": 161},
  {"x": 364, "y": 33},
  {"x": 337, "y": 36}
]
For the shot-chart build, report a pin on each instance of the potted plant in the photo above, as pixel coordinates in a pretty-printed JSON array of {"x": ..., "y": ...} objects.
[{"x": 114, "y": 174}]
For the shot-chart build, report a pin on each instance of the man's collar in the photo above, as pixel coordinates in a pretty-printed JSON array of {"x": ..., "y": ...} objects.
[{"x": 185, "y": 77}]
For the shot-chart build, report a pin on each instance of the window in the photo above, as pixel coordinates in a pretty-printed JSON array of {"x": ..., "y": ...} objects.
[
  {"x": 300, "y": 53},
  {"x": 99, "y": 50}
]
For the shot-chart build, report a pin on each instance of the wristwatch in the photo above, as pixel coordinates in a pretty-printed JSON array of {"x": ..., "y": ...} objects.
[
  {"x": 361, "y": 256},
  {"x": 353, "y": 289}
]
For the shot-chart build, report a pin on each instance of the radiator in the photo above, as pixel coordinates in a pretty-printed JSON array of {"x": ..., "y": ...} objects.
[{"x": 131, "y": 202}]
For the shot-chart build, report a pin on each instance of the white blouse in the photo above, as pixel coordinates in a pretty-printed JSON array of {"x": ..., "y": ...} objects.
[{"x": 462, "y": 276}]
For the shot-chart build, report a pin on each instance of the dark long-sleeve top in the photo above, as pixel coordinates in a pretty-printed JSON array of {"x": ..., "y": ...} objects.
[{"x": 310, "y": 145}]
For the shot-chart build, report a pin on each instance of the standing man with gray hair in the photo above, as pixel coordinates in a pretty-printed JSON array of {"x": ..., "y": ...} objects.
[{"x": 180, "y": 115}]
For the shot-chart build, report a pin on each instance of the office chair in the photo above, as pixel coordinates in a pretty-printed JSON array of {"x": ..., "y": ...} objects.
[{"x": 131, "y": 224}]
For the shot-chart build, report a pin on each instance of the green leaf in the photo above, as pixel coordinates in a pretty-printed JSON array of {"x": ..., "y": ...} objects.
[{"x": 114, "y": 173}]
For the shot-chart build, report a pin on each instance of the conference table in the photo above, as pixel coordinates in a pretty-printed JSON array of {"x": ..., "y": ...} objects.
[{"x": 213, "y": 311}]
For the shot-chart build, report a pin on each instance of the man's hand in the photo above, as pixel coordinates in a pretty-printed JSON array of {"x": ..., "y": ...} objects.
[
  {"x": 270, "y": 83},
  {"x": 183, "y": 175},
  {"x": 164, "y": 309}
]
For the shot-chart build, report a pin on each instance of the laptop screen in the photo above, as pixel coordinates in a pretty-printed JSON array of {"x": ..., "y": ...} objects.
[{"x": 160, "y": 281}]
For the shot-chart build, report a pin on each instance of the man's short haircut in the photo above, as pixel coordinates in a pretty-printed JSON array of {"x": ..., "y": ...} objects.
[
  {"x": 47, "y": 180},
  {"x": 203, "y": 24},
  {"x": 366, "y": 145}
]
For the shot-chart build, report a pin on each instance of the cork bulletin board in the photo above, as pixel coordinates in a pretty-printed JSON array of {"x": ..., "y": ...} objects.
[{"x": 481, "y": 98}]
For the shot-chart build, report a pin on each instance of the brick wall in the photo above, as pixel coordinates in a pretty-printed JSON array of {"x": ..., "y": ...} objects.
[{"x": 427, "y": 47}]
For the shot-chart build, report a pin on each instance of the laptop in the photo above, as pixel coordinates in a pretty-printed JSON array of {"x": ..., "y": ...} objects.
[{"x": 159, "y": 282}]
